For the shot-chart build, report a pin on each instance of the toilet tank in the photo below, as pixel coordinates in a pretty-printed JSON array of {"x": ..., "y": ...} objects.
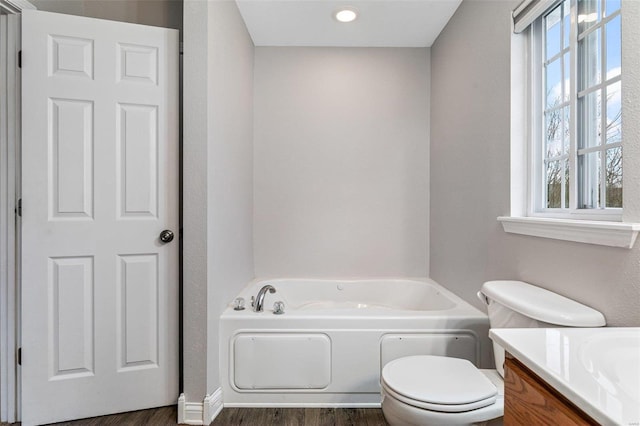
[{"x": 516, "y": 304}]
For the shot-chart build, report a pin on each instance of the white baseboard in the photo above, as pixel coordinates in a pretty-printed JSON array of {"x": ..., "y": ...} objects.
[
  {"x": 212, "y": 406},
  {"x": 200, "y": 413},
  {"x": 189, "y": 413}
]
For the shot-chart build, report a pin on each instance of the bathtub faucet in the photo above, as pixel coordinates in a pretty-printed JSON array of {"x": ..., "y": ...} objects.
[{"x": 259, "y": 303}]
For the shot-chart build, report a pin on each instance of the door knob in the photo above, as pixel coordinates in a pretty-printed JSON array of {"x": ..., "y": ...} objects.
[{"x": 166, "y": 236}]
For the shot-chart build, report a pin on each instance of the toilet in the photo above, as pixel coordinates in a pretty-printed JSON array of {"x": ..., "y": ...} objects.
[{"x": 435, "y": 390}]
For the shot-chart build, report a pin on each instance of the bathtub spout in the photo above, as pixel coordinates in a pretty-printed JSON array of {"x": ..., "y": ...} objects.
[{"x": 259, "y": 304}]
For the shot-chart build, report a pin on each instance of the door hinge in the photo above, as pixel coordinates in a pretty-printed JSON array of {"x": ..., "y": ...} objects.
[
  {"x": 19, "y": 208},
  {"x": 19, "y": 356},
  {"x": 20, "y": 59}
]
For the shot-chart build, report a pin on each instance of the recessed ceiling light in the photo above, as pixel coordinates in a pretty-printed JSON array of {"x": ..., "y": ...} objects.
[{"x": 346, "y": 14}]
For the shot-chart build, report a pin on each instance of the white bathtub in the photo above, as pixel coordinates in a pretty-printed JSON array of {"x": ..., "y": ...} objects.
[{"x": 335, "y": 336}]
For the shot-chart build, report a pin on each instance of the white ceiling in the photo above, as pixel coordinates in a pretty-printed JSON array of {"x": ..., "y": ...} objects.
[{"x": 380, "y": 23}]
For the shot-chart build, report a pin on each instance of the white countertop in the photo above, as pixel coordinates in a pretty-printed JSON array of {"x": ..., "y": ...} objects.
[{"x": 598, "y": 369}]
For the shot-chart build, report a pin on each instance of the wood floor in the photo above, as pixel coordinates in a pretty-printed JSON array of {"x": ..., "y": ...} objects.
[
  {"x": 300, "y": 417},
  {"x": 156, "y": 416},
  {"x": 247, "y": 417}
]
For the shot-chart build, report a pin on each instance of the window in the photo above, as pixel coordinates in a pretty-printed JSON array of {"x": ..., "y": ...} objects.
[
  {"x": 577, "y": 120},
  {"x": 567, "y": 136}
]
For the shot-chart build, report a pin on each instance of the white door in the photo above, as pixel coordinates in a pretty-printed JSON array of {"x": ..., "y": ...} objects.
[{"x": 99, "y": 185}]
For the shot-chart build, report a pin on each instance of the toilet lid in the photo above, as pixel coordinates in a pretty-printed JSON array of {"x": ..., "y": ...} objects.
[{"x": 453, "y": 384}]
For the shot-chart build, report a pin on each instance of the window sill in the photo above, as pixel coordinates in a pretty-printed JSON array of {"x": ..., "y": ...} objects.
[{"x": 613, "y": 234}]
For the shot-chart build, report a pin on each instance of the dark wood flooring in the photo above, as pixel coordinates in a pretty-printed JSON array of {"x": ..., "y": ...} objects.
[
  {"x": 300, "y": 417},
  {"x": 155, "y": 416},
  {"x": 246, "y": 417}
]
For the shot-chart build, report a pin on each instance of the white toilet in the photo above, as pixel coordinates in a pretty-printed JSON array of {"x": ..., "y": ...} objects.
[{"x": 435, "y": 390}]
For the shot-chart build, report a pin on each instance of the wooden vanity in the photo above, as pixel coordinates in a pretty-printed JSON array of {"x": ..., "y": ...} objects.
[{"x": 530, "y": 401}]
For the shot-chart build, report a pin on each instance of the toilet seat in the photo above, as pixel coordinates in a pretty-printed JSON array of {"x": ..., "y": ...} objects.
[
  {"x": 436, "y": 383},
  {"x": 443, "y": 408}
]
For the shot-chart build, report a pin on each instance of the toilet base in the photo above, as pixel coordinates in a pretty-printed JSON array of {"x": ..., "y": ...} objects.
[{"x": 399, "y": 414}]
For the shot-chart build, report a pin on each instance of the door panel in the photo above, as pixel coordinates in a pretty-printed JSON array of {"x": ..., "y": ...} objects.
[
  {"x": 70, "y": 136},
  {"x": 138, "y": 311},
  {"x": 136, "y": 160},
  {"x": 100, "y": 182},
  {"x": 71, "y": 317}
]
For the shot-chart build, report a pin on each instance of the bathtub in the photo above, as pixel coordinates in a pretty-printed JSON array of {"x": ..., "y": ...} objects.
[{"x": 329, "y": 346}]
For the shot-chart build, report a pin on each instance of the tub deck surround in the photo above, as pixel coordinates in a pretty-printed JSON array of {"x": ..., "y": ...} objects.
[
  {"x": 330, "y": 345},
  {"x": 346, "y": 297}
]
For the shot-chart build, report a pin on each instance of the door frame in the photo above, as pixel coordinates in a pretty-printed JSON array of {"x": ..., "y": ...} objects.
[{"x": 9, "y": 219}]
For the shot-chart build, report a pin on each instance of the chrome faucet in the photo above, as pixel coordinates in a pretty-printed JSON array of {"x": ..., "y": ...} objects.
[{"x": 259, "y": 302}]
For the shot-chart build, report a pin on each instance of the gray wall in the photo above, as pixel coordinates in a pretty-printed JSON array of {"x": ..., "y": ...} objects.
[
  {"x": 218, "y": 180},
  {"x": 341, "y": 161},
  {"x": 159, "y": 13},
  {"x": 230, "y": 169},
  {"x": 470, "y": 128},
  {"x": 195, "y": 200}
]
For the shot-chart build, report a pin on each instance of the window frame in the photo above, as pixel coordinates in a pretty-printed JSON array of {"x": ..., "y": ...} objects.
[
  {"x": 519, "y": 219},
  {"x": 536, "y": 198}
]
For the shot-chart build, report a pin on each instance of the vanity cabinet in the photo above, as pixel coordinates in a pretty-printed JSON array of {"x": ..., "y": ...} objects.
[{"x": 530, "y": 401}]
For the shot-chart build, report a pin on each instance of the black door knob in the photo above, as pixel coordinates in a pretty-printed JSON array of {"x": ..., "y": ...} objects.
[{"x": 166, "y": 236}]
